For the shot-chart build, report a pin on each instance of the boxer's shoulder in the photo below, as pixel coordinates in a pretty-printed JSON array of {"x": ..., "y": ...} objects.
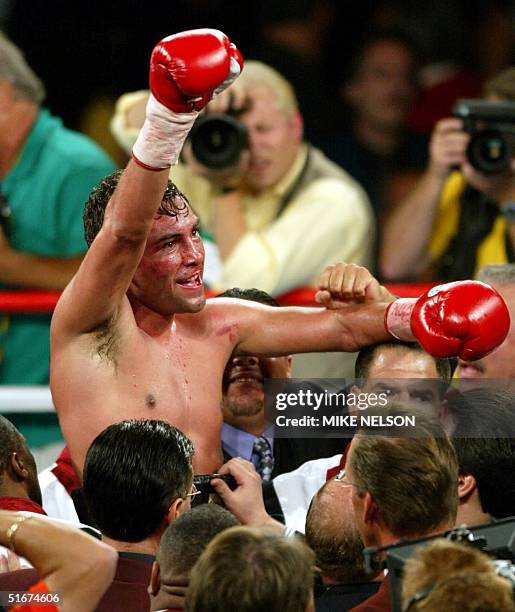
[
  {"x": 226, "y": 306},
  {"x": 218, "y": 313}
]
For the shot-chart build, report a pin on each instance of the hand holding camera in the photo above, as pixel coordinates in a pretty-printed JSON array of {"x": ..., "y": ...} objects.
[
  {"x": 246, "y": 500},
  {"x": 480, "y": 141},
  {"x": 205, "y": 490},
  {"x": 491, "y": 127},
  {"x": 231, "y": 100},
  {"x": 490, "y": 153},
  {"x": 448, "y": 146}
]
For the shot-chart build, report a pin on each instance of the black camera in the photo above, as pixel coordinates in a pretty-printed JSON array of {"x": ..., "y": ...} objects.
[
  {"x": 491, "y": 126},
  {"x": 497, "y": 539},
  {"x": 203, "y": 484},
  {"x": 217, "y": 140}
]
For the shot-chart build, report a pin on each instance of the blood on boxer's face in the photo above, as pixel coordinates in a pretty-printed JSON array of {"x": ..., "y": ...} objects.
[{"x": 168, "y": 279}]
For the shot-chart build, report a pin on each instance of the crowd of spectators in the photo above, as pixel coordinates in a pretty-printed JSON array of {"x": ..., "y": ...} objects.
[
  {"x": 341, "y": 160},
  {"x": 388, "y": 486}
]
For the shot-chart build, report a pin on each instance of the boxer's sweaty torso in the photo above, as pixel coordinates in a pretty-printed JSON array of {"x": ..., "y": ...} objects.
[{"x": 121, "y": 372}]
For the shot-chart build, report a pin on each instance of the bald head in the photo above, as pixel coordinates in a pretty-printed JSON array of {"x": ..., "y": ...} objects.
[
  {"x": 18, "y": 471},
  {"x": 332, "y": 534}
]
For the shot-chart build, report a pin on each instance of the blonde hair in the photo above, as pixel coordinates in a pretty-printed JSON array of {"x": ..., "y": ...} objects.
[
  {"x": 246, "y": 569},
  {"x": 257, "y": 75},
  {"x": 457, "y": 578}
]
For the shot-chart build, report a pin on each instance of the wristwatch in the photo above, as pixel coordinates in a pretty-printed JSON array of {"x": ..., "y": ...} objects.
[{"x": 507, "y": 210}]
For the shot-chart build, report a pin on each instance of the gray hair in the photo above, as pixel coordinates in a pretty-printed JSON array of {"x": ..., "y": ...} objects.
[
  {"x": 14, "y": 68},
  {"x": 502, "y": 274}
]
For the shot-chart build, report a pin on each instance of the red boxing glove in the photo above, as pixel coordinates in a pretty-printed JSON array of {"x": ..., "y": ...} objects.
[
  {"x": 468, "y": 319},
  {"x": 187, "y": 69}
]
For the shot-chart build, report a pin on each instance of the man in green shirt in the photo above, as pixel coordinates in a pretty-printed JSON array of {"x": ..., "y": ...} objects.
[{"x": 46, "y": 174}]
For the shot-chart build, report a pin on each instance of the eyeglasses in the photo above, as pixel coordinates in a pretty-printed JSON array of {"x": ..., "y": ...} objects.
[
  {"x": 341, "y": 477},
  {"x": 194, "y": 492}
]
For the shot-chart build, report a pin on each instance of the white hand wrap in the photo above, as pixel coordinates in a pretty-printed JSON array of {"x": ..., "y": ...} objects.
[
  {"x": 397, "y": 319},
  {"x": 160, "y": 140}
]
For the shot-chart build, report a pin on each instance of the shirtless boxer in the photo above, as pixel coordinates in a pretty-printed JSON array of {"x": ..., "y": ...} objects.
[{"x": 133, "y": 336}]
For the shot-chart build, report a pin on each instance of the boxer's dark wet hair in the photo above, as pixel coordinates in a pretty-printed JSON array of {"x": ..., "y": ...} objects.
[{"x": 173, "y": 204}]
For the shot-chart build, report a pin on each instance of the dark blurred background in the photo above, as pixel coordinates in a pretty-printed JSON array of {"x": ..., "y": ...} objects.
[{"x": 88, "y": 53}]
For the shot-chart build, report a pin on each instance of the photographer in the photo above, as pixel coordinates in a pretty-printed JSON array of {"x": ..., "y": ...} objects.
[
  {"x": 274, "y": 211},
  {"x": 455, "y": 220}
]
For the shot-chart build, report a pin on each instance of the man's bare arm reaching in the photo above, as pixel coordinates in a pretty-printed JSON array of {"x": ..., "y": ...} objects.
[
  {"x": 351, "y": 316},
  {"x": 465, "y": 318}
]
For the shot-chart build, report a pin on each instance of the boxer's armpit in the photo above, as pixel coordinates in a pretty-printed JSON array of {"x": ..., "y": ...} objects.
[{"x": 106, "y": 342}]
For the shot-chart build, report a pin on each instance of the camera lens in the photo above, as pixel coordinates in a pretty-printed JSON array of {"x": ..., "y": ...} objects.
[
  {"x": 489, "y": 152},
  {"x": 217, "y": 140}
]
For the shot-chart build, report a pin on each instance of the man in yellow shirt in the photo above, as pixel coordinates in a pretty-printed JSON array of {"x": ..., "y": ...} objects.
[{"x": 454, "y": 221}]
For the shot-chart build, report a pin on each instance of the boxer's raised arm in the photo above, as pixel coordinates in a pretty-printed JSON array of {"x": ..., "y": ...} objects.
[
  {"x": 186, "y": 70},
  {"x": 99, "y": 286}
]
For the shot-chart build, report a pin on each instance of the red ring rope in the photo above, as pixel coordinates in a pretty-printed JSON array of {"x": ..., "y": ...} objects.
[{"x": 44, "y": 301}]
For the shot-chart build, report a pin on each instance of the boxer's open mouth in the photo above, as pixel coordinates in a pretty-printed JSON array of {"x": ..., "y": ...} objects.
[{"x": 192, "y": 282}]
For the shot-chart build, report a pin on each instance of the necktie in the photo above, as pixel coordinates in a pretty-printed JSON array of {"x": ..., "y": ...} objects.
[{"x": 263, "y": 452}]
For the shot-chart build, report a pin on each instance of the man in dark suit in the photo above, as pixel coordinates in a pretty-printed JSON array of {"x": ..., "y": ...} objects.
[{"x": 244, "y": 433}]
